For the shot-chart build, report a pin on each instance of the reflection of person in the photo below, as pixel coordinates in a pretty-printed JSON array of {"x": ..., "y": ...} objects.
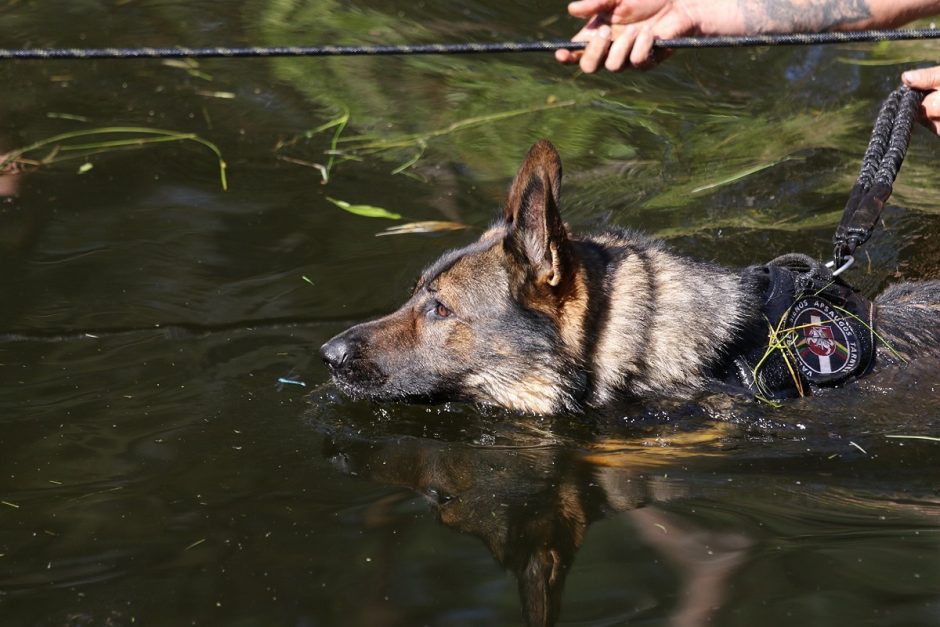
[{"x": 620, "y": 33}]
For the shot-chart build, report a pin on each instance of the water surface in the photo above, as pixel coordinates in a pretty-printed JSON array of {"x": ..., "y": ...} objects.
[{"x": 154, "y": 471}]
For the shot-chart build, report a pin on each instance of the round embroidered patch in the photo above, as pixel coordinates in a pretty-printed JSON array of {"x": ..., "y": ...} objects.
[{"x": 823, "y": 340}]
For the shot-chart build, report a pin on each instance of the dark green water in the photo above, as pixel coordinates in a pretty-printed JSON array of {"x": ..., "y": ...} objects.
[{"x": 154, "y": 472}]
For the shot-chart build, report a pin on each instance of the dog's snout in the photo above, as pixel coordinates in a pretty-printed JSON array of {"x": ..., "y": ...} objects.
[{"x": 335, "y": 352}]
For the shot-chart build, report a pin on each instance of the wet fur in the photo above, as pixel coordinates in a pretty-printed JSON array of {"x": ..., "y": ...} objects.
[
  {"x": 909, "y": 319},
  {"x": 534, "y": 319}
]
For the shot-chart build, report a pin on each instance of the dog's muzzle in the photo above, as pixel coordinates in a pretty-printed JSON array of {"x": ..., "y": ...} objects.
[{"x": 352, "y": 371}]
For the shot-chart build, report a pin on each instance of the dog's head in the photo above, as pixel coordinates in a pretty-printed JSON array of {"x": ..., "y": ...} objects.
[{"x": 494, "y": 322}]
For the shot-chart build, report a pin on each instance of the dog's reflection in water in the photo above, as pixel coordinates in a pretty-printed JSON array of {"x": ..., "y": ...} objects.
[{"x": 532, "y": 505}]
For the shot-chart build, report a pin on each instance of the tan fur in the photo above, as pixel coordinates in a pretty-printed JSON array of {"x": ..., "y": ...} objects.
[
  {"x": 572, "y": 316},
  {"x": 536, "y": 393}
]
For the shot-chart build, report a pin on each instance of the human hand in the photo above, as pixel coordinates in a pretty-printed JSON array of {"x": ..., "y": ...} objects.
[
  {"x": 621, "y": 32},
  {"x": 926, "y": 78}
]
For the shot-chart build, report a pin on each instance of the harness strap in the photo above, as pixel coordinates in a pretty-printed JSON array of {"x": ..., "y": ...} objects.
[{"x": 815, "y": 330}]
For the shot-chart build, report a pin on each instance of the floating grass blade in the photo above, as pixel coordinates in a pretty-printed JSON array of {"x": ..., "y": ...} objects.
[
  {"x": 422, "y": 146},
  {"x": 928, "y": 438},
  {"x": 366, "y": 211},
  {"x": 55, "y": 115},
  {"x": 428, "y": 226},
  {"x": 339, "y": 123},
  {"x": 222, "y": 95},
  {"x": 139, "y": 136},
  {"x": 190, "y": 66},
  {"x": 777, "y": 341}
]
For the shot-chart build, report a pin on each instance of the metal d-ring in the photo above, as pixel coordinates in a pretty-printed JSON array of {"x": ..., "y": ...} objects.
[{"x": 849, "y": 260}]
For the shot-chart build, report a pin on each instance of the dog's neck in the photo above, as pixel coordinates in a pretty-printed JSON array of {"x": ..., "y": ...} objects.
[{"x": 646, "y": 321}]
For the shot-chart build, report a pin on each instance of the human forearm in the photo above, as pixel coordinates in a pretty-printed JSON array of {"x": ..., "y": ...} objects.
[
  {"x": 782, "y": 16},
  {"x": 620, "y": 33}
]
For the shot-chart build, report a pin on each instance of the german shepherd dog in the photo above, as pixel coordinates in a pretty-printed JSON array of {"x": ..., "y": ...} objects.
[{"x": 534, "y": 319}]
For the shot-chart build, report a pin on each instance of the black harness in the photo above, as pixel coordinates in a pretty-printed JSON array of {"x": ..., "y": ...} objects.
[{"x": 813, "y": 330}]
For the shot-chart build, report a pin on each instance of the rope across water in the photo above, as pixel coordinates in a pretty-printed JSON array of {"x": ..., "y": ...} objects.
[{"x": 789, "y": 39}]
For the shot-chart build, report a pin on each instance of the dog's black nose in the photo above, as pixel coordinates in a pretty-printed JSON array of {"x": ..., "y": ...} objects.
[{"x": 335, "y": 352}]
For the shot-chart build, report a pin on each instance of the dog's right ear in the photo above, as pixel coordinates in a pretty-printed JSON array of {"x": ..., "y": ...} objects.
[{"x": 533, "y": 216}]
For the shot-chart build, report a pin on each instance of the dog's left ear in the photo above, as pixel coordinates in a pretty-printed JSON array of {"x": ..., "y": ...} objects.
[{"x": 532, "y": 213}]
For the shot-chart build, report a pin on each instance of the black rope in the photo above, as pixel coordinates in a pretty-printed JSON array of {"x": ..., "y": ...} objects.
[
  {"x": 788, "y": 39},
  {"x": 880, "y": 164}
]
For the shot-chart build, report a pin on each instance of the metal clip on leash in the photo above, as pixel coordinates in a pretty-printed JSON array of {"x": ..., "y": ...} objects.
[
  {"x": 849, "y": 261},
  {"x": 886, "y": 149}
]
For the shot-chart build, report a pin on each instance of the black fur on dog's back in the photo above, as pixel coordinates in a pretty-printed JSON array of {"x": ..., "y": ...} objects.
[{"x": 909, "y": 320}]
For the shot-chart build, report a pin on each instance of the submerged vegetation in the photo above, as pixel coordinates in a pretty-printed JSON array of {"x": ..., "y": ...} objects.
[
  {"x": 361, "y": 146},
  {"x": 634, "y": 146}
]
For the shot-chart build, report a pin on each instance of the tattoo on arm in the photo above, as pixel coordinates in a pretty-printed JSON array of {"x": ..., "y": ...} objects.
[{"x": 779, "y": 16}]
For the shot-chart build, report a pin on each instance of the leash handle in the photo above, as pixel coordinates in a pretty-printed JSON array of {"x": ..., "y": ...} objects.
[{"x": 887, "y": 147}]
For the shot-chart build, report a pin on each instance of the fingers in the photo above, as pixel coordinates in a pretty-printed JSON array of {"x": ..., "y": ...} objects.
[
  {"x": 636, "y": 26},
  {"x": 596, "y": 50},
  {"x": 588, "y": 8},
  {"x": 634, "y": 46},
  {"x": 633, "y": 43},
  {"x": 641, "y": 57},
  {"x": 930, "y": 112},
  {"x": 585, "y": 34},
  {"x": 565, "y": 56},
  {"x": 925, "y": 78},
  {"x": 621, "y": 47}
]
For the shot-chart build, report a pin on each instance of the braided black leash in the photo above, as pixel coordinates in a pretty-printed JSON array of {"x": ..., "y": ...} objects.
[
  {"x": 886, "y": 149},
  {"x": 788, "y": 39}
]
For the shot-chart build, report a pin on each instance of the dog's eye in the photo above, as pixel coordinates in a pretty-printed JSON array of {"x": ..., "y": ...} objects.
[{"x": 440, "y": 310}]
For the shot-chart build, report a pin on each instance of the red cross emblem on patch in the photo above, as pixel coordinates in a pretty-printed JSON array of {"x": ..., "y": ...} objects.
[
  {"x": 822, "y": 340},
  {"x": 819, "y": 339}
]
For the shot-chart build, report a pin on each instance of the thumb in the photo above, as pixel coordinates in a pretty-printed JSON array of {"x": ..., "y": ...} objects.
[{"x": 924, "y": 78}]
